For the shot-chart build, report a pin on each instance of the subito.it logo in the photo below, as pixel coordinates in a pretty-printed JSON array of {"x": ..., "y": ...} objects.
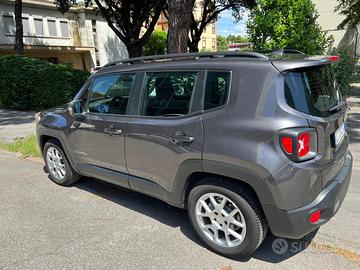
[{"x": 280, "y": 246}]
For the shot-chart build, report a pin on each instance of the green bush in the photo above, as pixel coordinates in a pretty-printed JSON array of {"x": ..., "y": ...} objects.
[
  {"x": 156, "y": 44},
  {"x": 32, "y": 84},
  {"x": 344, "y": 72}
]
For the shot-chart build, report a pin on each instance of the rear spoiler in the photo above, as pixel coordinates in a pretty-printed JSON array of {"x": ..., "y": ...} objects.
[{"x": 285, "y": 65}]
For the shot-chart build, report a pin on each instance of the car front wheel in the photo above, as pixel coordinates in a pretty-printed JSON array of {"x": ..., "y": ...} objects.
[{"x": 57, "y": 165}]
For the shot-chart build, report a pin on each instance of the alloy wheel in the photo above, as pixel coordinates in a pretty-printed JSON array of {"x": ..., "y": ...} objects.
[
  {"x": 55, "y": 162},
  {"x": 220, "y": 220}
]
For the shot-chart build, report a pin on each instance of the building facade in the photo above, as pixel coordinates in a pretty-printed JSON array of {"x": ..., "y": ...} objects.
[
  {"x": 329, "y": 19},
  {"x": 80, "y": 37}
]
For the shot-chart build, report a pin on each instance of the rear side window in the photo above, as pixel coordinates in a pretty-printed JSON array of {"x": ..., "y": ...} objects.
[
  {"x": 110, "y": 94},
  {"x": 217, "y": 88},
  {"x": 313, "y": 91},
  {"x": 168, "y": 93}
]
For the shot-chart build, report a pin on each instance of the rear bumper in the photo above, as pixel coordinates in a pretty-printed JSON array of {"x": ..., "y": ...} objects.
[{"x": 295, "y": 223}]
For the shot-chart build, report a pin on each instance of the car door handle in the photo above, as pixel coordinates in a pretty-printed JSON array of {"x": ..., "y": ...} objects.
[
  {"x": 180, "y": 138},
  {"x": 112, "y": 131}
]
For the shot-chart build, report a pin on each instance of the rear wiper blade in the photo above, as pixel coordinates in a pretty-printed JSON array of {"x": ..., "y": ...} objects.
[{"x": 336, "y": 106}]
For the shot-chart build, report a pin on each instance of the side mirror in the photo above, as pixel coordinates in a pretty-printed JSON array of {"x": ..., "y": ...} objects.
[{"x": 76, "y": 107}]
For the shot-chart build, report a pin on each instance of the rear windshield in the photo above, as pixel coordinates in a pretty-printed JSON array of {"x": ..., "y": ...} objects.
[{"x": 313, "y": 91}]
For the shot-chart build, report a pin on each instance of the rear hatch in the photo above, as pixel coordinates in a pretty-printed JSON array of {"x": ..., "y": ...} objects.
[{"x": 312, "y": 90}]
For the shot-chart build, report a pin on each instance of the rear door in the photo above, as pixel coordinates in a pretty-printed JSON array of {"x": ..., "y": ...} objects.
[
  {"x": 168, "y": 128},
  {"x": 314, "y": 92}
]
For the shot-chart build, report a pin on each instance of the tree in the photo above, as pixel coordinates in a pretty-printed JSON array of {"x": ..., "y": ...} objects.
[
  {"x": 180, "y": 12},
  {"x": 19, "y": 34},
  {"x": 126, "y": 18},
  {"x": 157, "y": 43},
  {"x": 210, "y": 11},
  {"x": 222, "y": 44},
  {"x": 237, "y": 39},
  {"x": 351, "y": 10},
  {"x": 279, "y": 24}
]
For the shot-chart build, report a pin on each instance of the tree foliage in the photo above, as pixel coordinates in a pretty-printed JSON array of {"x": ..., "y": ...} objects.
[
  {"x": 344, "y": 72},
  {"x": 351, "y": 10},
  {"x": 237, "y": 39},
  {"x": 210, "y": 11},
  {"x": 126, "y": 18},
  {"x": 222, "y": 43},
  {"x": 279, "y": 24},
  {"x": 157, "y": 43}
]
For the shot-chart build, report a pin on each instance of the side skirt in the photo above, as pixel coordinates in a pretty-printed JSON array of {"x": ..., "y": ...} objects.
[{"x": 130, "y": 182}]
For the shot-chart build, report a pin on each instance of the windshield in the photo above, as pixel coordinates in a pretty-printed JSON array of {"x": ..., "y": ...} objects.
[{"x": 313, "y": 90}]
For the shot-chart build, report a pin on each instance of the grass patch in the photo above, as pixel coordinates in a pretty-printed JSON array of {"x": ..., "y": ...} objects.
[{"x": 27, "y": 146}]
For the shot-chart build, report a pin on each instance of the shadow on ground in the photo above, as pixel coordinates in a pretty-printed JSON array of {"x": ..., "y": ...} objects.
[
  {"x": 269, "y": 251},
  {"x": 8, "y": 117}
]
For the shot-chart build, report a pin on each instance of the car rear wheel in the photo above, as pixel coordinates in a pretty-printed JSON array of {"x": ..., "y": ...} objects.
[
  {"x": 227, "y": 218},
  {"x": 57, "y": 165}
]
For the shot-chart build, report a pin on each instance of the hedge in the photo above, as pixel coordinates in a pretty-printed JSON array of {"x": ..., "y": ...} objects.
[
  {"x": 344, "y": 72},
  {"x": 32, "y": 84}
]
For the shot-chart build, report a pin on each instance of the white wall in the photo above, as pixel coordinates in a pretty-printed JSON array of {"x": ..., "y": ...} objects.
[
  {"x": 329, "y": 19},
  {"x": 110, "y": 46}
]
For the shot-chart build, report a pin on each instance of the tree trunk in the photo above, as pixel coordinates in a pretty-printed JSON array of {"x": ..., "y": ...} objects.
[
  {"x": 180, "y": 12},
  {"x": 194, "y": 45},
  {"x": 19, "y": 43},
  {"x": 134, "y": 50}
]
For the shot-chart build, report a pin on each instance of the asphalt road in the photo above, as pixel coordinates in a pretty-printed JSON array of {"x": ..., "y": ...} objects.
[{"x": 96, "y": 226}]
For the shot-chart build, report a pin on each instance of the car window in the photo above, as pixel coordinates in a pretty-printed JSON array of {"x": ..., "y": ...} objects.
[
  {"x": 110, "y": 94},
  {"x": 168, "y": 93},
  {"x": 312, "y": 90},
  {"x": 217, "y": 88}
]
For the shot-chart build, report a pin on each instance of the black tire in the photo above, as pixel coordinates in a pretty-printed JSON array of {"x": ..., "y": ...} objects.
[
  {"x": 256, "y": 225},
  {"x": 70, "y": 176}
]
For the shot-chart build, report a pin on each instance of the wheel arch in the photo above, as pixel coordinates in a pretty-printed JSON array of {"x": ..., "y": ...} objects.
[
  {"x": 192, "y": 172},
  {"x": 44, "y": 137}
]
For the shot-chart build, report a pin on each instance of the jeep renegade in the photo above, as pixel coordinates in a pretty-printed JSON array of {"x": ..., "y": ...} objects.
[{"x": 244, "y": 141}]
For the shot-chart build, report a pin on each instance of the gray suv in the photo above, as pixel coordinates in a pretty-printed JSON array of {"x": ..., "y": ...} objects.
[{"x": 246, "y": 142}]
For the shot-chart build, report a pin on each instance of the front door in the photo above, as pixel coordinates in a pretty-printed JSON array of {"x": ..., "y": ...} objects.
[
  {"x": 167, "y": 131},
  {"x": 97, "y": 135}
]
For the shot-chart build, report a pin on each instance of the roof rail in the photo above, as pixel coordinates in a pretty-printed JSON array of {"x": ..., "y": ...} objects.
[
  {"x": 281, "y": 52},
  {"x": 286, "y": 52},
  {"x": 185, "y": 56}
]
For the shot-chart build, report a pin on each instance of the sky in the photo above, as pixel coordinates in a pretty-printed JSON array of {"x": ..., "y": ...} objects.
[{"x": 227, "y": 26}]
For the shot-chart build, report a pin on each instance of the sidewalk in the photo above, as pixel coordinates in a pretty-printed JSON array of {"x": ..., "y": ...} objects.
[
  {"x": 16, "y": 124},
  {"x": 354, "y": 129}
]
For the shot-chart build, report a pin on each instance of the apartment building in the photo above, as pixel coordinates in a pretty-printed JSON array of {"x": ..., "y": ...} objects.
[{"x": 80, "y": 37}]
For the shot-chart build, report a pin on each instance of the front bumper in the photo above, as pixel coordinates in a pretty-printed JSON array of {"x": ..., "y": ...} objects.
[{"x": 295, "y": 223}]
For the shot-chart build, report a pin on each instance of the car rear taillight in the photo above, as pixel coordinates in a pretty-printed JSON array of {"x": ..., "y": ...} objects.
[
  {"x": 287, "y": 144},
  {"x": 303, "y": 144},
  {"x": 299, "y": 144}
]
